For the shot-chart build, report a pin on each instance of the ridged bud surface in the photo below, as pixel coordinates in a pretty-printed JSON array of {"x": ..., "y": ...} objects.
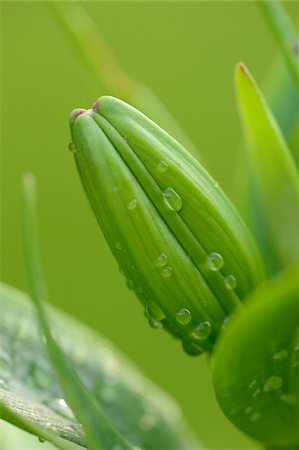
[{"x": 179, "y": 241}]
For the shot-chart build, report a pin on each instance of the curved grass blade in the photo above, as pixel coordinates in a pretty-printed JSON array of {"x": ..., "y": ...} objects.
[
  {"x": 273, "y": 171},
  {"x": 284, "y": 33},
  {"x": 29, "y": 388},
  {"x": 255, "y": 366},
  {"x": 104, "y": 65},
  {"x": 100, "y": 433}
]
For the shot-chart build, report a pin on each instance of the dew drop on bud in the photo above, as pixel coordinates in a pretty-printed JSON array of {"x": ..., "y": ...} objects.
[
  {"x": 190, "y": 348},
  {"x": 280, "y": 356},
  {"x": 118, "y": 246},
  {"x": 273, "y": 384},
  {"x": 255, "y": 417},
  {"x": 161, "y": 261},
  {"x": 202, "y": 331},
  {"x": 154, "y": 311},
  {"x": 132, "y": 204},
  {"x": 162, "y": 166},
  {"x": 166, "y": 272},
  {"x": 248, "y": 410},
  {"x": 172, "y": 199},
  {"x": 214, "y": 261},
  {"x": 230, "y": 282},
  {"x": 72, "y": 147},
  {"x": 154, "y": 323},
  {"x": 183, "y": 316}
]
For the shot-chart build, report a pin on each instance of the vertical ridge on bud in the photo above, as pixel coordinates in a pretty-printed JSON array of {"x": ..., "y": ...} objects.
[{"x": 151, "y": 199}]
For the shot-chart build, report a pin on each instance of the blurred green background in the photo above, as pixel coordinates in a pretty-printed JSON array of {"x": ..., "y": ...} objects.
[{"x": 185, "y": 52}]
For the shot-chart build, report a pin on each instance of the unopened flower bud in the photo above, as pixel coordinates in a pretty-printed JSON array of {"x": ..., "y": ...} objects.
[{"x": 179, "y": 241}]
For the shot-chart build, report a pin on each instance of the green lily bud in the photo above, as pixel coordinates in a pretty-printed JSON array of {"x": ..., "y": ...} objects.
[{"x": 179, "y": 241}]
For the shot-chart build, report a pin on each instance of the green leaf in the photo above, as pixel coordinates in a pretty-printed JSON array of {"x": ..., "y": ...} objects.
[
  {"x": 255, "y": 366},
  {"x": 284, "y": 33},
  {"x": 98, "y": 429},
  {"x": 181, "y": 244},
  {"x": 283, "y": 94},
  {"x": 31, "y": 398},
  {"x": 11, "y": 436},
  {"x": 275, "y": 178}
]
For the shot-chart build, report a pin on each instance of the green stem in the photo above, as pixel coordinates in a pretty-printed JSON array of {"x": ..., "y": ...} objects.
[
  {"x": 284, "y": 33},
  {"x": 100, "y": 433}
]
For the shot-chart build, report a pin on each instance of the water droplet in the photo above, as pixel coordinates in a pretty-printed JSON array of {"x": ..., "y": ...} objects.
[
  {"x": 191, "y": 348},
  {"x": 255, "y": 417},
  {"x": 248, "y": 410},
  {"x": 256, "y": 393},
  {"x": 41, "y": 439},
  {"x": 132, "y": 204},
  {"x": 273, "y": 384},
  {"x": 154, "y": 323},
  {"x": 290, "y": 399},
  {"x": 72, "y": 147},
  {"x": 280, "y": 356},
  {"x": 161, "y": 261},
  {"x": 60, "y": 406},
  {"x": 253, "y": 382},
  {"x": 215, "y": 184},
  {"x": 230, "y": 282},
  {"x": 183, "y": 316},
  {"x": 214, "y": 261},
  {"x": 118, "y": 245},
  {"x": 172, "y": 199},
  {"x": 167, "y": 272},
  {"x": 162, "y": 166},
  {"x": 154, "y": 311},
  {"x": 202, "y": 331},
  {"x": 146, "y": 422},
  {"x": 295, "y": 363}
]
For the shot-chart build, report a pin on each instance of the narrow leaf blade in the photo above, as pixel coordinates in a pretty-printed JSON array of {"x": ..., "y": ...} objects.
[
  {"x": 99, "y": 431},
  {"x": 284, "y": 33},
  {"x": 272, "y": 169}
]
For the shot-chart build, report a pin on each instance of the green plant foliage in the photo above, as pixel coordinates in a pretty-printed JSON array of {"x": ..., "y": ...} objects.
[
  {"x": 284, "y": 32},
  {"x": 274, "y": 175},
  {"x": 31, "y": 398},
  {"x": 179, "y": 241},
  {"x": 255, "y": 366},
  {"x": 11, "y": 436},
  {"x": 99, "y": 431},
  {"x": 104, "y": 65}
]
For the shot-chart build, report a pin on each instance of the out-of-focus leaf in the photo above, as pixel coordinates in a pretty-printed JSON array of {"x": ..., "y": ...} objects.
[
  {"x": 256, "y": 364},
  {"x": 106, "y": 68},
  {"x": 98, "y": 429},
  {"x": 274, "y": 173},
  {"x": 11, "y": 436},
  {"x": 31, "y": 397},
  {"x": 283, "y": 95},
  {"x": 284, "y": 33}
]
